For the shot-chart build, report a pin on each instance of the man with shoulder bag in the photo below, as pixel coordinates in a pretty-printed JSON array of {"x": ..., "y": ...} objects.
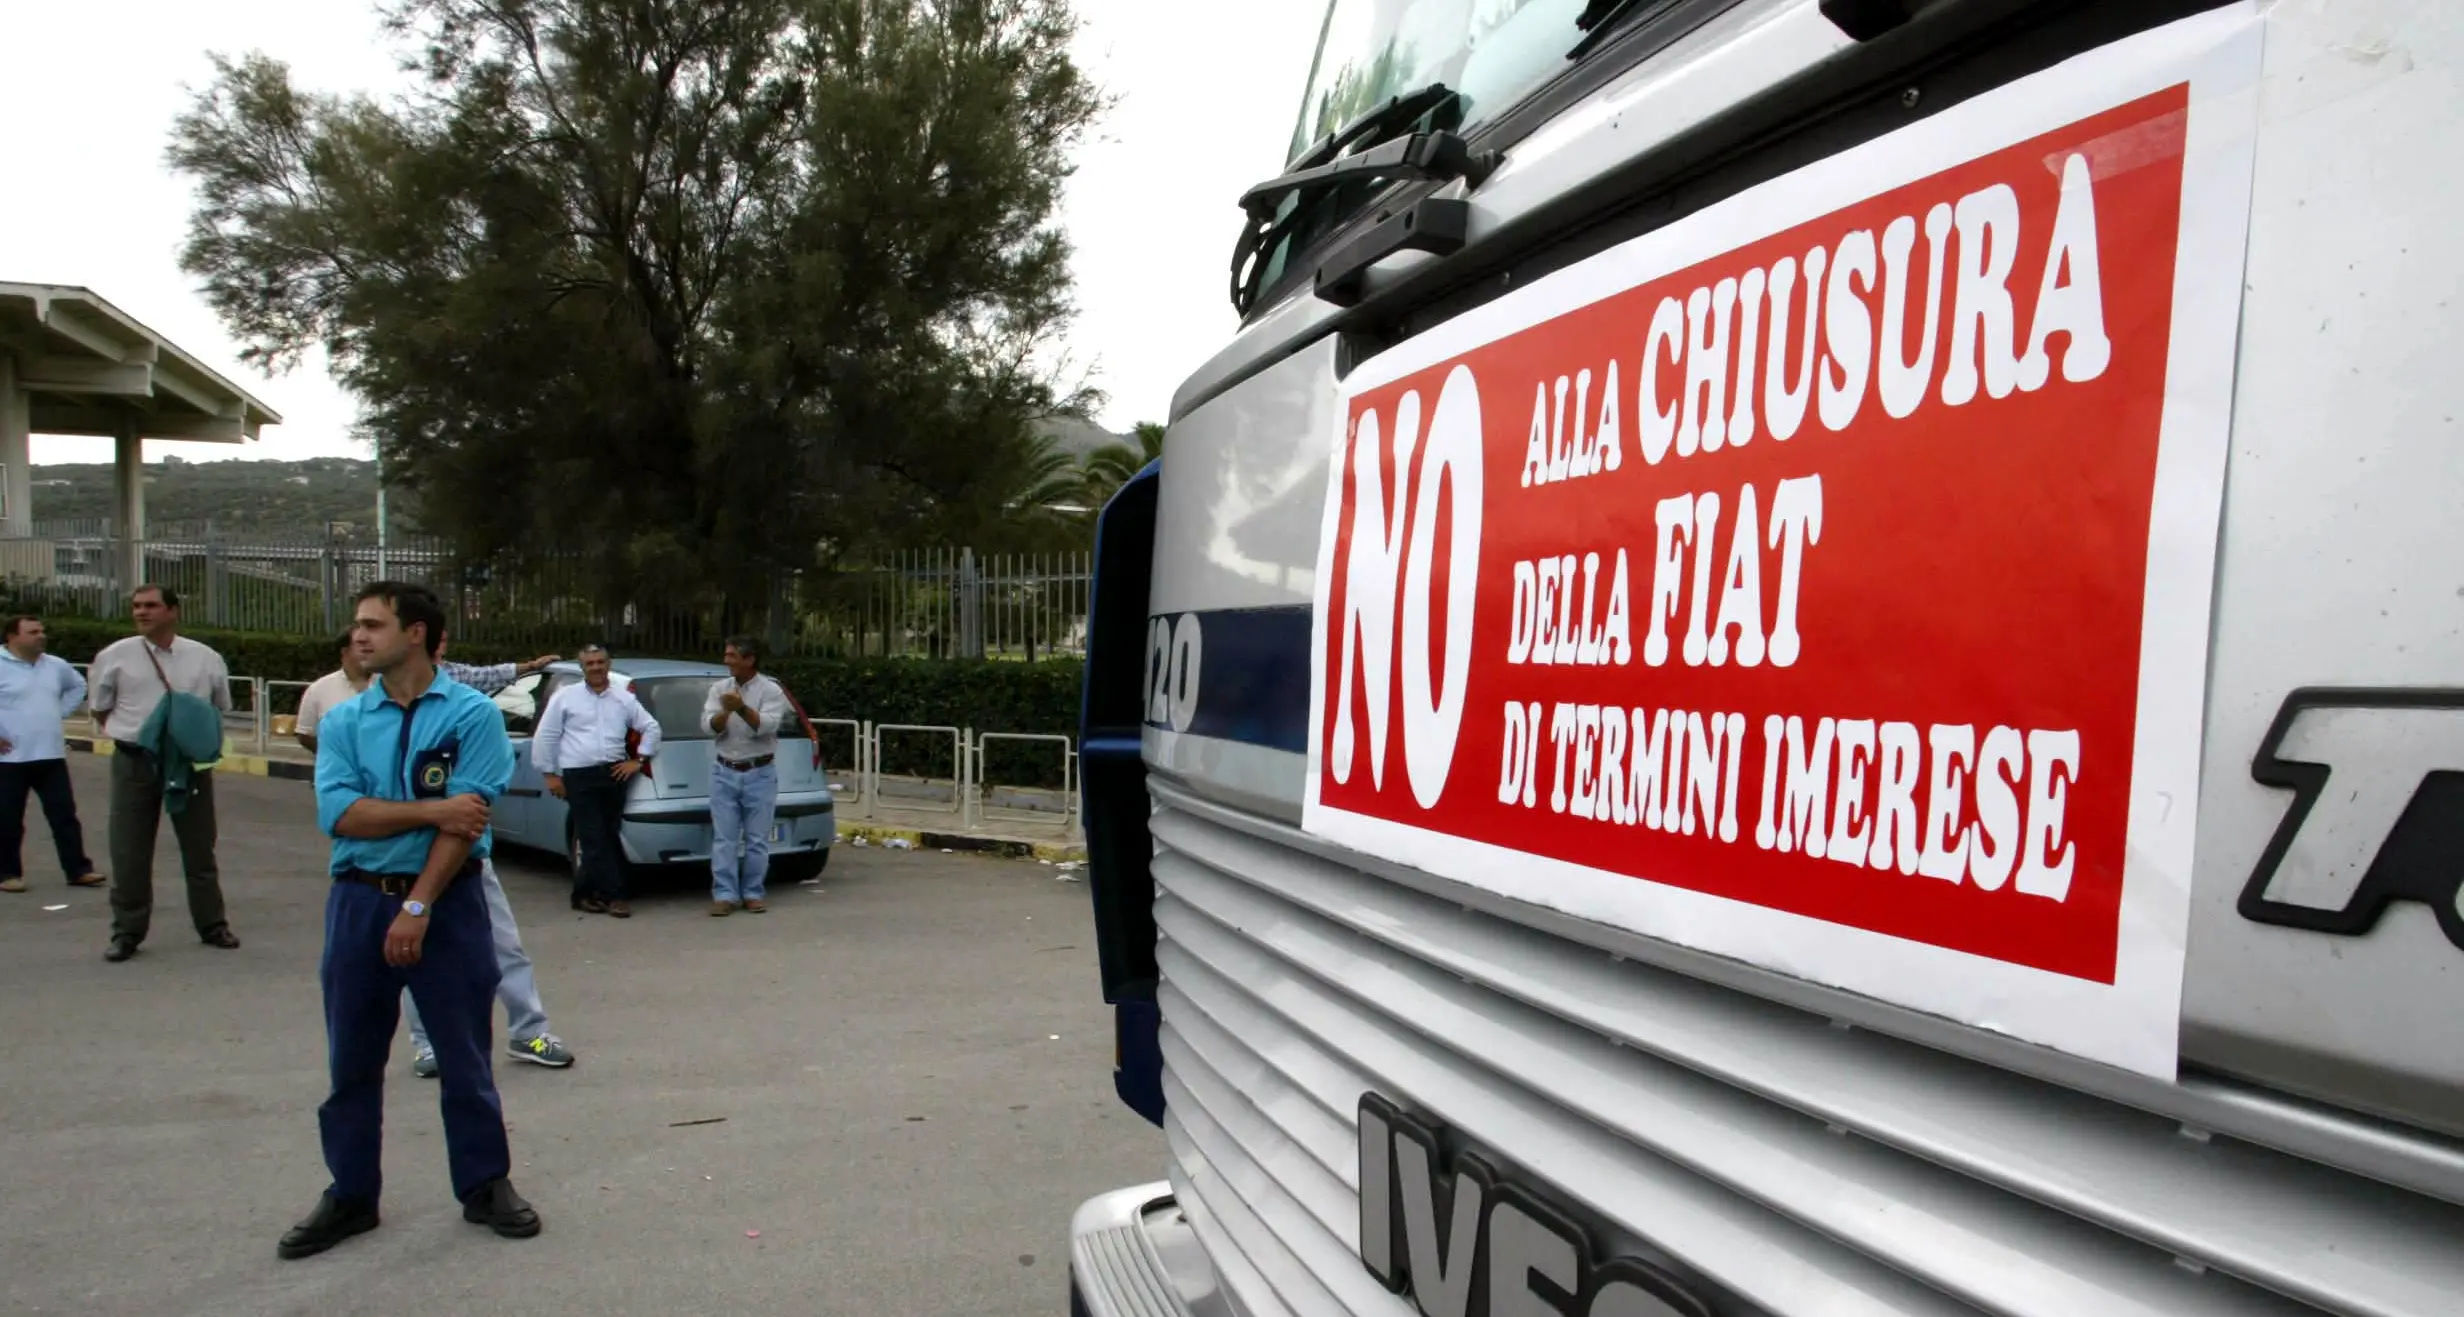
[{"x": 160, "y": 697}]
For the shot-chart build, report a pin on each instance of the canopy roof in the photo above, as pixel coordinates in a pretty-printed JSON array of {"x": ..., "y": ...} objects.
[{"x": 88, "y": 368}]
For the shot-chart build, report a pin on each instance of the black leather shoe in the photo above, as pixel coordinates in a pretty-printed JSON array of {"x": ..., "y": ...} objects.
[
  {"x": 120, "y": 949},
  {"x": 496, "y": 1206},
  {"x": 334, "y": 1221}
]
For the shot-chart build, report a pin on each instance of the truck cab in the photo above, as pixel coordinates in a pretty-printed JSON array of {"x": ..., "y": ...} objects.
[{"x": 1807, "y": 656}]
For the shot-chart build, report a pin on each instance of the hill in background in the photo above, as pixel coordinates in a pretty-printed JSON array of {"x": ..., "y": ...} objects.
[
  {"x": 238, "y": 497},
  {"x": 1079, "y": 438}
]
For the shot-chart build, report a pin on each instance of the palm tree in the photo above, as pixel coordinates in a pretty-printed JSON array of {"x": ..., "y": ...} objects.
[
  {"x": 1104, "y": 471},
  {"x": 1046, "y": 479}
]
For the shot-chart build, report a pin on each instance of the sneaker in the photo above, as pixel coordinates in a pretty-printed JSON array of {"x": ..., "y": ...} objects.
[
  {"x": 12, "y": 884},
  {"x": 423, "y": 1063},
  {"x": 546, "y": 1050}
]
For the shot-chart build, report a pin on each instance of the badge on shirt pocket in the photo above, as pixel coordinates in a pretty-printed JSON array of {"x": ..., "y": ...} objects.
[{"x": 430, "y": 771}]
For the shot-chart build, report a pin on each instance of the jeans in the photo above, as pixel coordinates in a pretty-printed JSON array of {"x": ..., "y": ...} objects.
[
  {"x": 136, "y": 819},
  {"x": 596, "y": 802},
  {"x": 48, "y": 780},
  {"x": 456, "y": 978},
  {"x": 525, "y": 1015},
  {"x": 742, "y": 806}
]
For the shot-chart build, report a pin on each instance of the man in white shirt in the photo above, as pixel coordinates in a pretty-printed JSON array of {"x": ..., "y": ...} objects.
[
  {"x": 37, "y": 690},
  {"x": 580, "y": 748},
  {"x": 325, "y": 692},
  {"x": 126, "y": 681},
  {"x": 746, "y": 711}
]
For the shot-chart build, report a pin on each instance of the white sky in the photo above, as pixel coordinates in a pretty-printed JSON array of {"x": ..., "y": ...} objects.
[{"x": 1207, "y": 97}]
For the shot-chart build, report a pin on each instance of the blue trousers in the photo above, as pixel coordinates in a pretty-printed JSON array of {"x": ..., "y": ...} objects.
[
  {"x": 742, "y": 806},
  {"x": 455, "y": 986}
]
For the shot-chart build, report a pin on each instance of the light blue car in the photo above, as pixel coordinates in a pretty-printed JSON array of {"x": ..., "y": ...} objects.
[{"x": 667, "y": 810}]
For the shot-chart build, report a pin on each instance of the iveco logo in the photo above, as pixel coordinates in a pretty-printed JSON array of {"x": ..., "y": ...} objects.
[
  {"x": 1463, "y": 1242},
  {"x": 2392, "y": 826}
]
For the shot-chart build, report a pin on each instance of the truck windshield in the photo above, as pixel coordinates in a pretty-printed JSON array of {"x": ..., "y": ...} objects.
[{"x": 1491, "y": 51}]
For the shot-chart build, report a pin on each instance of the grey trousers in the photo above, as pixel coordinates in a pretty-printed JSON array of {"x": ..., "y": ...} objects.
[
  {"x": 136, "y": 820},
  {"x": 525, "y": 1016}
]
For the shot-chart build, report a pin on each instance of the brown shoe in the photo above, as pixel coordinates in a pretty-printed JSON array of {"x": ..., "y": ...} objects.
[
  {"x": 12, "y": 884},
  {"x": 620, "y": 909},
  {"x": 719, "y": 908},
  {"x": 90, "y": 880},
  {"x": 756, "y": 908}
]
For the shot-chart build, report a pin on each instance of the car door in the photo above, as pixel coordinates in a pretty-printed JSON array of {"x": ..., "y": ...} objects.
[{"x": 517, "y": 816}]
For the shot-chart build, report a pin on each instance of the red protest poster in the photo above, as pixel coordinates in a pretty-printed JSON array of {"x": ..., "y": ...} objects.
[{"x": 1822, "y": 580}]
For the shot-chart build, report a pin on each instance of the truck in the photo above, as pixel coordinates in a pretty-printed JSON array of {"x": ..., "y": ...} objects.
[{"x": 1807, "y": 656}]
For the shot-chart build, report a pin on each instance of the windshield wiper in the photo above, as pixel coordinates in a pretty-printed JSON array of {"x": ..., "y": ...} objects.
[
  {"x": 1432, "y": 155},
  {"x": 1602, "y": 17},
  {"x": 1371, "y": 126},
  {"x": 1377, "y": 152}
]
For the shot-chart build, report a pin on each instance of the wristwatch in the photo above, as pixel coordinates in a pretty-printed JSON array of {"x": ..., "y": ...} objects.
[{"x": 415, "y": 909}]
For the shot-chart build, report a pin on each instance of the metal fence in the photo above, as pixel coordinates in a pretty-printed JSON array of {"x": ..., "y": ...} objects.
[{"x": 938, "y": 602}]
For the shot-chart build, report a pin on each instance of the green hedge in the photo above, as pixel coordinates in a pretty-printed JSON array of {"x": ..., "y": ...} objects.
[{"x": 987, "y": 696}]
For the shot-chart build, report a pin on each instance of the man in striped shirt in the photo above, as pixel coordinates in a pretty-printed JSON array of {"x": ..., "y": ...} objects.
[{"x": 489, "y": 678}]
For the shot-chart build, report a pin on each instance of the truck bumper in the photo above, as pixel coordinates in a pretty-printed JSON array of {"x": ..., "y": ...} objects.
[{"x": 1132, "y": 1254}]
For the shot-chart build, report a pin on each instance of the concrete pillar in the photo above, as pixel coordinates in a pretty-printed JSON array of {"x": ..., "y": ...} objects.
[
  {"x": 16, "y": 454},
  {"x": 128, "y": 474}
]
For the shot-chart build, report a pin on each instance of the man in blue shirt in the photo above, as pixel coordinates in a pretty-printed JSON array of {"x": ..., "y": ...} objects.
[
  {"x": 37, "y": 690},
  {"x": 406, "y": 774}
]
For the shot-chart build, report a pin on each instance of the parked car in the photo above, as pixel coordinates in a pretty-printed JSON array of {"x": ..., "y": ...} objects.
[{"x": 667, "y": 810}]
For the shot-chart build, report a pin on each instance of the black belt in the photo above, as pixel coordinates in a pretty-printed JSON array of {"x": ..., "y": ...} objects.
[
  {"x": 398, "y": 884},
  {"x": 748, "y": 765}
]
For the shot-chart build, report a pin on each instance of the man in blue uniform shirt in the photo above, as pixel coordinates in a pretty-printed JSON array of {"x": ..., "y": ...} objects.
[{"x": 406, "y": 773}]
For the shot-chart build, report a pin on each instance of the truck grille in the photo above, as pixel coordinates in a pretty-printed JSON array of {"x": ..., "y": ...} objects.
[{"x": 1787, "y": 1165}]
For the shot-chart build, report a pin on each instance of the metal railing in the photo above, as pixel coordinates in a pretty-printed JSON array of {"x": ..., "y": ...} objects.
[
  {"x": 859, "y": 761},
  {"x": 981, "y": 808},
  {"x": 270, "y": 723},
  {"x": 958, "y": 768}
]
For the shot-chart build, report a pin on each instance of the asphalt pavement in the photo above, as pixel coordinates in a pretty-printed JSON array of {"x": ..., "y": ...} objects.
[{"x": 883, "y": 1097}]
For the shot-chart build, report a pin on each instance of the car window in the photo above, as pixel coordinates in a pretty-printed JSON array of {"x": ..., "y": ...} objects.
[
  {"x": 675, "y": 703},
  {"x": 520, "y": 701}
]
